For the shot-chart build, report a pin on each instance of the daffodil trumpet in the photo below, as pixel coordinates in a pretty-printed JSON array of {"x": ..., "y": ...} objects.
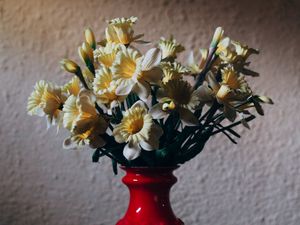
[{"x": 140, "y": 108}]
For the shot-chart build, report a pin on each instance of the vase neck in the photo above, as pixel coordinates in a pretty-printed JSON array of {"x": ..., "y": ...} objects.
[{"x": 149, "y": 195}]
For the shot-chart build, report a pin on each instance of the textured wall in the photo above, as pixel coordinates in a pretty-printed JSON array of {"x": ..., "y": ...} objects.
[{"x": 255, "y": 182}]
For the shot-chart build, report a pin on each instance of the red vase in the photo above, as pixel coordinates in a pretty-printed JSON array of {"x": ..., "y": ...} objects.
[{"x": 149, "y": 196}]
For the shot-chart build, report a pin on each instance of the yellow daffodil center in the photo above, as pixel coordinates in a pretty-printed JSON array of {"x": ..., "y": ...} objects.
[
  {"x": 231, "y": 78},
  {"x": 179, "y": 91},
  {"x": 133, "y": 126}
]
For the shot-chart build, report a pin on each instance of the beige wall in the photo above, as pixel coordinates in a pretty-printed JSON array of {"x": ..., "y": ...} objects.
[{"x": 255, "y": 182}]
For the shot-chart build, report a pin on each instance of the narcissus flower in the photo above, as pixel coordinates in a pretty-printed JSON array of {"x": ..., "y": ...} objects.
[
  {"x": 135, "y": 72},
  {"x": 82, "y": 119},
  {"x": 72, "y": 87},
  {"x": 169, "y": 47},
  {"x": 34, "y": 104},
  {"x": 197, "y": 66},
  {"x": 138, "y": 131},
  {"x": 106, "y": 55},
  {"x": 105, "y": 88},
  {"x": 47, "y": 100},
  {"x": 172, "y": 71},
  {"x": 230, "y": 91},
  {"x": 179, "y": 96},
  {"x": 120, "y": 31}
]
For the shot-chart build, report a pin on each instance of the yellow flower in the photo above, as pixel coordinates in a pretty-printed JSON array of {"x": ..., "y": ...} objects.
[
  {"x": 47, "y": 100},
  {"x": 105, "y": 88},
  {"x": 69, "y": 66},
  {"x": 194, "y": 66},
  {"x": 138, "y": 130},
  {"x": 72, "y": 87},
  {"x": 52, "y": 103},
  {"x": 120, "y": 30},
  {"x": 169, "y": 47},
  {"x": 106, "y": 55},
  {"x": 135, "y": 72},
  {"x": 177, "y": 95},
  {"x": 232, "y": 90},
  {"x": 172, "y": 71},
  {"x": 34, "y": 105},
  {"x": 82, "y": 119}
]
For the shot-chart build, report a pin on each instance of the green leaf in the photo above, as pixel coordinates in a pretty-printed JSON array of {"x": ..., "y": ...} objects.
[
  {"x": 114, "y": 166},
  {"x": 96, "y": 156}
]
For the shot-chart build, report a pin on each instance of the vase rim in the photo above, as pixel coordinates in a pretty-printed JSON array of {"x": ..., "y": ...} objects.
[{"x": 149, "y": 167}]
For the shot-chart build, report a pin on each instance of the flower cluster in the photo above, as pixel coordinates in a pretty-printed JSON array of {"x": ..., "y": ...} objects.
[{"x": 138, "y": 108}]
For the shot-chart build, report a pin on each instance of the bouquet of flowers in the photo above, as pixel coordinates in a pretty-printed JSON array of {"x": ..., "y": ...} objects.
[{"x": 143, "y": 109}]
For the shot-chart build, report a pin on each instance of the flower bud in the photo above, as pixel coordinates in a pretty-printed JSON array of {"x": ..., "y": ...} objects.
[
  {"x": 83, "y": 56},
  {"x": 90, "y": 38},
  {"x": 217, "y": 37},
  {"x": 69, "y": 66},
  {"x": 88, "y": 50}
]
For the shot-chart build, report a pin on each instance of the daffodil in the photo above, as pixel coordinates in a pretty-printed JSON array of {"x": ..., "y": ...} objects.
[
  {"x": 47, "y": 100},
  {"x": 82, "y": 119},
  {"x": 35, "y": 104},
  {"x": 106, "y": 55},
  {"x": 135, "y": 72},
  {"x": 172, "y": 71},
  {"x": 52, "y": 102},
  {"x": 194, "y": 66},
  {"x": 72, "y": 87},
  {"x": 232, "y": 90},
  {"x": 89, "y": 77},
  {"x": 169, "y": 47},
  {"x": 179, "y": 96},
  {"x": 120, "y": 31},
  {"x": 138, "y": 131},
  {"x": 105, "y": 88}
]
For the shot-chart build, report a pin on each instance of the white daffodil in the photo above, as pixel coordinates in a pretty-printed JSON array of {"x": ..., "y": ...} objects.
[
  {"x": 72, "y": 87},
  {"x": 82, "y": 119},
  {"x": 120, "y": 31},
  {"x": 34, "y": 104},
  {"x": 106, "y": 55},
  {"x": 169, "y": 47},
  {"x": 138, "y": 131},
  {"x": 179, "y": 96},
  {"x": 232, "y": 90},
  {"x": 172, "y": 71},
  {"x": 105, "y": 88},
  {"x": 197, "y": 66},
  {"x": 47, "y": 100},
  {"x": 134, "y": 72}
]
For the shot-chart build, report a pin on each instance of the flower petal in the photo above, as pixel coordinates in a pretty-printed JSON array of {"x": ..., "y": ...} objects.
[
  {"x": 152, "y": 58},
  {"x": 131, "y": 151},
  {"x": 125, "y": 87},
  {"x": 157, "y": 112},
  {"x": 154, "y": 75},
  {"x": 69, "y": 144},
  {"x": 213, "y": 82},
  {"x": 142, "y": 89},
  {"x": 187, "y": 117}
]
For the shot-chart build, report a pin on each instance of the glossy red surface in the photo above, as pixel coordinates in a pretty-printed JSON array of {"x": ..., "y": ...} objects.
[{"x": 149, "y": 202}]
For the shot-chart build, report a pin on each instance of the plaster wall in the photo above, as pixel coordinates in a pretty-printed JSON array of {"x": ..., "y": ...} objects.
[{"x": 256, "y": 182}]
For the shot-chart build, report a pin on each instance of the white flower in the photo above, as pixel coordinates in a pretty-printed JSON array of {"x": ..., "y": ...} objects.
[
  {"x": 179, "y": 96},
  {"x": 106, "y": 55},
  {"x": 105, "y": 88},
  {"x": 135, "y": 72},
  {"x": 197, "y": 66},
  {"x": 169, "y": 47},
  {"x": 83, "y": 121},
  {"x": 172, "y": 71},
  {"x": 138, "y": 130}
]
